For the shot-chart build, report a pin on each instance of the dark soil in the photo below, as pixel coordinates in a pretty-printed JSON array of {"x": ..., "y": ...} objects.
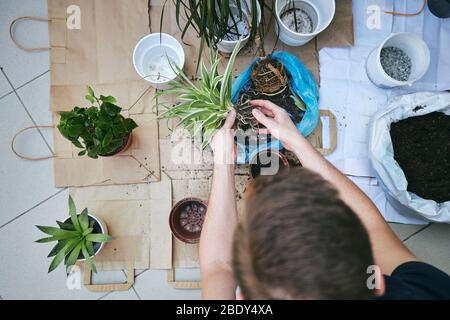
[
  {"x": 422, "y": 149},
  {"x": 266, "y": 85},
  {"x": 192, "y": 217}
]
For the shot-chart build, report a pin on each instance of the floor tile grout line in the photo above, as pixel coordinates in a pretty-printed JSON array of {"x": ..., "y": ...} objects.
[
  {"x": 34, "y": 207},
  {"x": 416, "y": 232},
  {"x": 132, "y": 287},
  {"x": 29, "y": 81},
  {"x": 26, "y": 83},
  {"x": 105, "y": 295},
  {"x": 6, "y": 94},
  {"x": 28, "y": 112},
  {"x": 135, "y": 291}
]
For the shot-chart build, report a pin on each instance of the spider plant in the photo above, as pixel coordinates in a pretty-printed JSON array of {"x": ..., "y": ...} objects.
[
  {"x": 203, "y": 106},
  {"x": 75, "y": 238}
]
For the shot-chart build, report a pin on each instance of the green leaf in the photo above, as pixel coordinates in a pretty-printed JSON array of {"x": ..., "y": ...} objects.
[
  {"x": 59, "y": 257},
  {"x": 107, "y": 139},
  {"x": 46, "y": 240},
  {"x": 73, "y": 256},
  {"x": 82, "y": 153},
  {"x": 77, "y": 144},
  {"x": 91, "y": 91},
  {"x": 108, "y": 99},
  {"x": 90, "y": 248},
  {"x": 98, "y": 237},
  {"x": 57, "y": 248},
  {"x": 66, "y": 226},
  {"x": 84, "y": 219},
  {"x": 111, "y": 109},
  {"x": 90, "y": 98},
  {"x": 73, "y": 215},
  {"x": 57, "y": 232},
  {"x": 87, "y": 255},
  {"x": 87, "y": 231}
]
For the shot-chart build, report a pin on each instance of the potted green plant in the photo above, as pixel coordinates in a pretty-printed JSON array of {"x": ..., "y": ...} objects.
[
  {"x": 220, "y": 24},
  {"x": 99, "y": 130},
  {"x": 79, "y": 238},
  {"x": 204, "y": 105}
]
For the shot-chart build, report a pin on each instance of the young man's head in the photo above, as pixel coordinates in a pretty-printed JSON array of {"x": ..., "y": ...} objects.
[{"x": 299, "y": 240}]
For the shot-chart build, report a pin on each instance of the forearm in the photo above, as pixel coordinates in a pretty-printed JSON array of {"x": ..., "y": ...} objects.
[
  {"x": 221, "y": 220},
  {"x": 381, "y": 235}
]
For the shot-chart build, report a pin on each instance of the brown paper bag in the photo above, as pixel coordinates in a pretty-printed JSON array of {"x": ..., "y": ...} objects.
[
  {"x": 100, "y": 54},
  {"x": 137, "y": 218}
]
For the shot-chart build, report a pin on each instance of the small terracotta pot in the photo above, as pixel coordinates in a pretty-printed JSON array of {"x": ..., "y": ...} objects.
[
  {"x": 123, "y": 148},
  {"x": 284, "y": 163},
  {"x": 187, "y": 226}
]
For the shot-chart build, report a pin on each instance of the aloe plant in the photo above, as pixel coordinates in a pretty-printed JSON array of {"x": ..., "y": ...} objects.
[
  {"x": 203, "y": 106},
  {"x": 73, "y": 238}
]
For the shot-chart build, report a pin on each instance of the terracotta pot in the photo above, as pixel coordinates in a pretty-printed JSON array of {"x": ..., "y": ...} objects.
[
  {"x": 284, "y": 163},
  {"x": 123, "y": 148},
  {"x": 180, "y": 224}
]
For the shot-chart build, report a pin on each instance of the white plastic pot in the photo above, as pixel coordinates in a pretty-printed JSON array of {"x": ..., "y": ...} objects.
[
  {"x": 103, "y": 227},
  {"x": 413, "y": 46},
  {"x": 227, "y": 46},
  {"x": 158, "y": 50},
  {"x": 321, "y": 13}
]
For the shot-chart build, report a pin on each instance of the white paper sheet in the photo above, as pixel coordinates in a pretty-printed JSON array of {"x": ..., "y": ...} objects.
[{"x": 346, "y": 90}]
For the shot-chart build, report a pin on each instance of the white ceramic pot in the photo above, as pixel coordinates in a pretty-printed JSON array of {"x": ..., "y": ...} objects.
[
  {"x": 155, "y": 57},
  {"x": 413, "y": 46},
  {"x": 321, "y": 13},
  {"x": 227, "y": 46},
  {"x": 104, "y": 230}
]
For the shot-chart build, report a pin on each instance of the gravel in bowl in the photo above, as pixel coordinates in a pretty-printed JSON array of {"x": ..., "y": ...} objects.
[{"x": 396, "y": 63}]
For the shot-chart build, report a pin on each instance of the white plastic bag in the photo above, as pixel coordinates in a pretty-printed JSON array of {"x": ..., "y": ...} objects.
[{"x": 381, "y": 152}]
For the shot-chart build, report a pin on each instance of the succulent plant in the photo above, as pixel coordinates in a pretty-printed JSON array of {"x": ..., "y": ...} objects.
[{"x": 74, "y": 238}]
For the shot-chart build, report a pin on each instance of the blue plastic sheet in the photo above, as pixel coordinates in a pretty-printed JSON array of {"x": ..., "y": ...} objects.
[{"x": 303, "y": 85}]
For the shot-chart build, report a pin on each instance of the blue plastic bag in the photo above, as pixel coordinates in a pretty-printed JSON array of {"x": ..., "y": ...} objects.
[{"x": 302, "y": 84}]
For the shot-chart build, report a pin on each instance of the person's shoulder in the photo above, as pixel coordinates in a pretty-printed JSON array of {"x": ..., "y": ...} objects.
[{"x": 417, "y": 280}]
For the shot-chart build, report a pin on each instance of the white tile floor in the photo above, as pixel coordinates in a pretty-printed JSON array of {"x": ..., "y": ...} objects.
[{"x": 28, "y": 196}]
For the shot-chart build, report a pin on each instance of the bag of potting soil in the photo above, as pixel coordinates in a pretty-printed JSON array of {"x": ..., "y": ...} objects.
[
  {"x": 302, "y": 84},
  {"x": 383, "y": 155}
]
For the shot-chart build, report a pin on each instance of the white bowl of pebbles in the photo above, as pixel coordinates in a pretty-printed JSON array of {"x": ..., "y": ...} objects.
[
  {"x": 400, "y": 60},
  {"x": 238, "y": 26},
  {"x": 157, "y": 58},
  {"x": 299, "y": 21}
]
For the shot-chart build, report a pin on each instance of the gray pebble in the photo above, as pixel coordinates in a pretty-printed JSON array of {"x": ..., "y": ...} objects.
[{"x": 396, "y": 63}]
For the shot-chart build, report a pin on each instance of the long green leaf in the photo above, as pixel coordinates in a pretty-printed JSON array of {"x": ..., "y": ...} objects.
[
  {"x": 84, "y": 220},
  {"x": 73, "y": 256},
  {"x": 88, "y": 258},
  {"x": 57, "y": 248},
  {"x": 60, "y": 256},
  {"x": 73, "y": 214},
  {"x": 98, "y": 237},
  {"x": 57, "y": 232}
]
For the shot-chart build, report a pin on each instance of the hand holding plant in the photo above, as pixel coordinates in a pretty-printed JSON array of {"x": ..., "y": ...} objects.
[
  {"x": 203, "y": 107},
  {"x": 99, "y": 130}
]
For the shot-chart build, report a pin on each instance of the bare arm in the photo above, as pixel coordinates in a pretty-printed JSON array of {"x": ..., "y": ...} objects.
[
  {"x": 221, "y": 220},
  {"x": 389, "y": 252}
]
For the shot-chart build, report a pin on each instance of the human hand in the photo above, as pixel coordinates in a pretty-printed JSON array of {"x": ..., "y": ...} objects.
[
  {"x": 277, "y": 122},
  {"x": 222, "y": 144}
]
